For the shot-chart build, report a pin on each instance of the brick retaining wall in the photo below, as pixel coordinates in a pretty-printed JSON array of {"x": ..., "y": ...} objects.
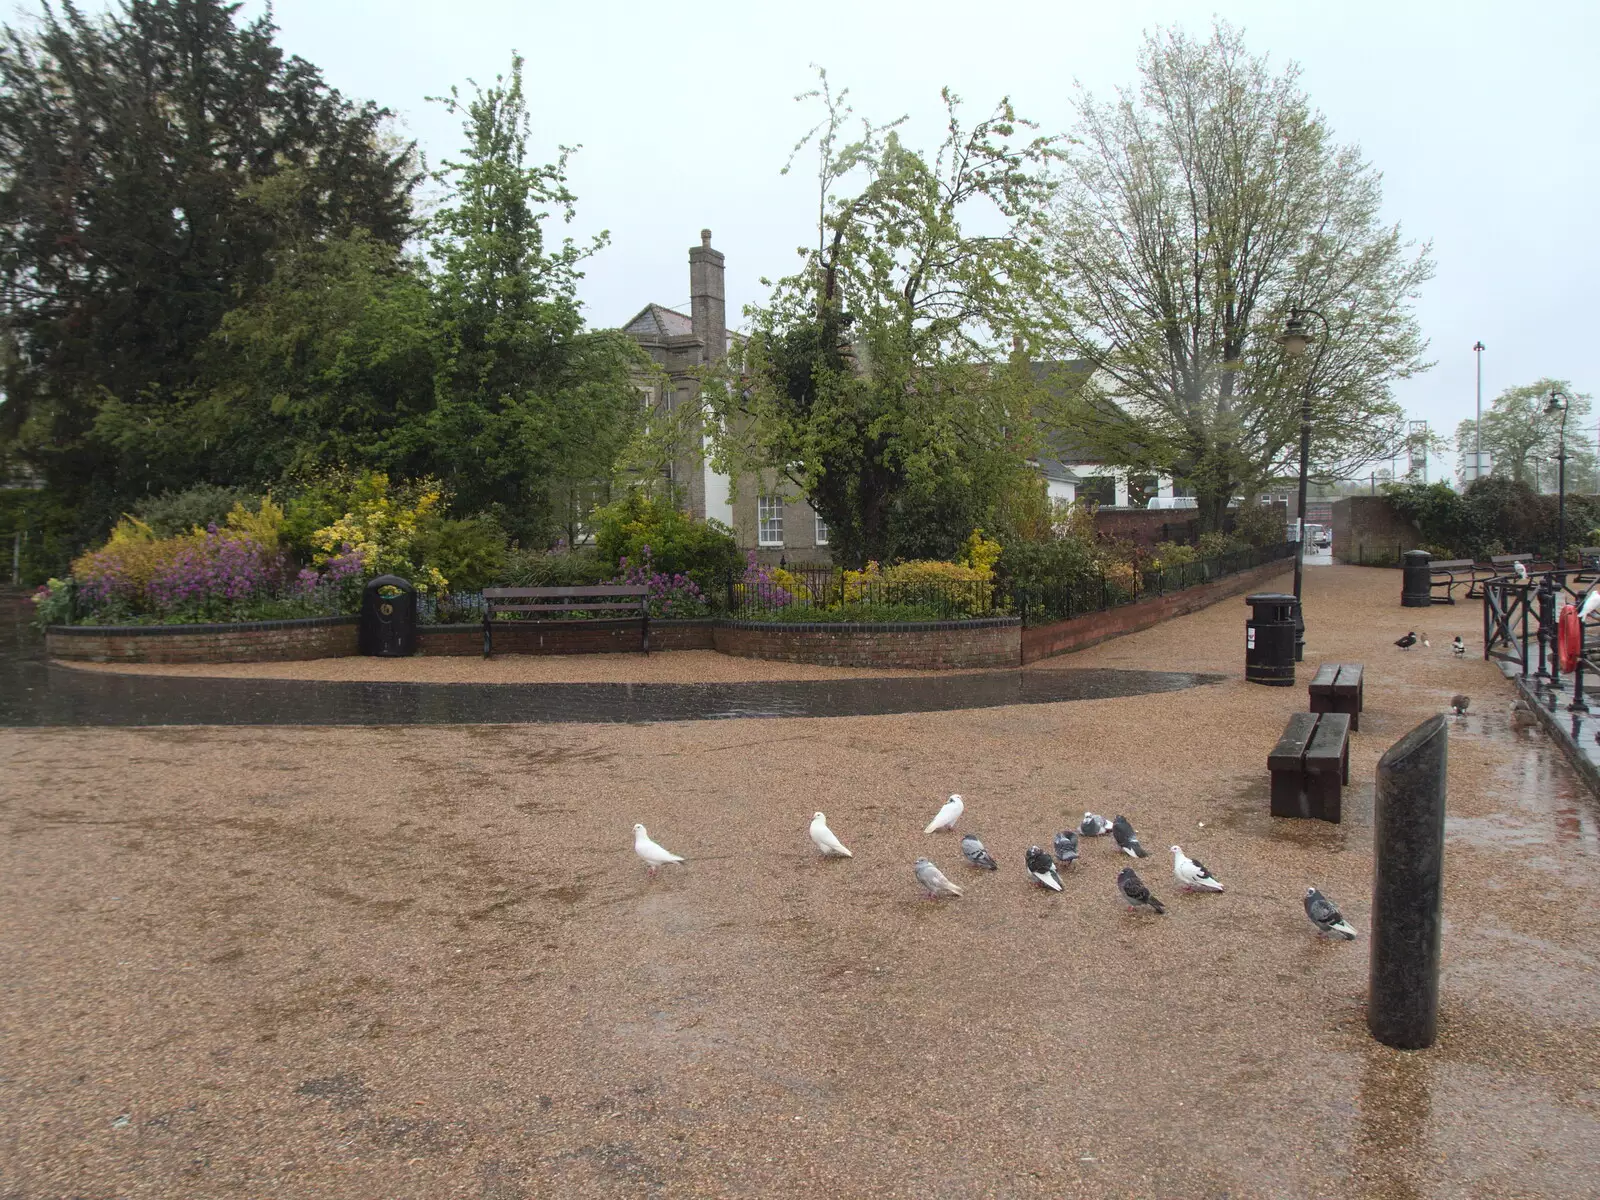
[
  {"x": 929, "y": 646},
  {"x": 1062, "y": 637},
  {"x": 564, "y": 637},
  {"x": 250, "y": 641}
]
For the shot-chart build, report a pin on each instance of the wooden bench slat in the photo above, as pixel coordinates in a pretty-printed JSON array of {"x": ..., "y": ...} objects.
[
  {"x": 1348, "y": 682},
  {"x": 563, "y": 607},
  {"x": 1326, "y": 750},
  {"x": 1324, "y": 678},
  {"x": 599, "y": 589},
  {"x": 1291, "y": 746}
]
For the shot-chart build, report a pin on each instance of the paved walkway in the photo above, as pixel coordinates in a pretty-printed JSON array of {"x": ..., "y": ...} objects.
[{"x": 420, "y": 962}]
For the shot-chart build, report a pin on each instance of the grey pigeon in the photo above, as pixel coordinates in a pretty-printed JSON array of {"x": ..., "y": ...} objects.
[
  {"x": 1094, "y": 825},
  {"x": 1326, "y": 917},
  {"x": 1127, "y": 839},
  {"x": 1135, "y": 893},
  {"x": 1458, "y": 704},
  {"x": 976, "y": 854},
  {"x": 1406, "y": 642},
  {"x": 1043, "y": 869},
  {"x": 1459, "y": 647},
  {"x": 1066, "y": 845},
  {"x": 933, "y": 881}
]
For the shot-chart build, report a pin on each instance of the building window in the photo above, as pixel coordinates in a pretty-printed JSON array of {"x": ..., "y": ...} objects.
[
  {"x": 1101, "y": 489},
  {"x": 822, "y": 532},
  {"x": 769, "y": 520},
  {"x": 647, "y": 397}
]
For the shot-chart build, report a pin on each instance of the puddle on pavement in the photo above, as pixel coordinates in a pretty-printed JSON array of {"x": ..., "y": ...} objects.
[{"x": 35, "y": 693}]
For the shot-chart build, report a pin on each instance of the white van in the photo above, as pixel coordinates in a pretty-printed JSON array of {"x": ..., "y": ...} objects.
[{"x": 1172, "y": 502}]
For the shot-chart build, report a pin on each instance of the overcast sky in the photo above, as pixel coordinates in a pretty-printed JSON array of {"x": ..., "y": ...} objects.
[{"x": 1481, "y": 116}]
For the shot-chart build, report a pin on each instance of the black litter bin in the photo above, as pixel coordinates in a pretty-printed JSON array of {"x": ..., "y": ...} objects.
[
  {"x": 1269, "y": 637},
  {"x": 1416, "y": 582},
  {"x": 388, "y": 626}
]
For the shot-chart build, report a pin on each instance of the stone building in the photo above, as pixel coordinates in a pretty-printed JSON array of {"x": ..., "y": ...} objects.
[{"x": 762, "y": 517}]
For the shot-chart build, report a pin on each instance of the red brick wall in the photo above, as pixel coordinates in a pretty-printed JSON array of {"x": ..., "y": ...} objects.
[
  {"x": 273, "y": 641},
  {"x": 1042, "y": 641},
  {"x": 1147, "y": 526},
  {"x": 1366, "y": 529},
  {"x": 936, "y": 648},
  {"x": 563, "y": 637}
]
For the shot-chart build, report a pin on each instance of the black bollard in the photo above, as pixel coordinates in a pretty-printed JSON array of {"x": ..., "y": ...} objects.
[{"x": 1408, "y": 889}]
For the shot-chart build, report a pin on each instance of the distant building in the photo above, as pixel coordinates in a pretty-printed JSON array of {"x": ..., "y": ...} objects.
[{"x": 762, "y": 517}]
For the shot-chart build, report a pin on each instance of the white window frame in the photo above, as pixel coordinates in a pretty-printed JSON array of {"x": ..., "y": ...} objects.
[
  {"x": 769, "y": 520},
  {"x": 822, "y": 531}
]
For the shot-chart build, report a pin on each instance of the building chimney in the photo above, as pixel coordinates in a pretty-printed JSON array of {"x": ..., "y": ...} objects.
[{"x": 708, "y": 297}]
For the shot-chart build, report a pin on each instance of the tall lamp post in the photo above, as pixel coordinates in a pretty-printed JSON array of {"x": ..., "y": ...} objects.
[
  {"x": 1477, "y": 425},
  {"x": 1294, "y": 341},
  {"x": 1558, "y": 404}
]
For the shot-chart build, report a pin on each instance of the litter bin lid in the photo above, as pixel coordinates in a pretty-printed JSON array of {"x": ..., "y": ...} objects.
[{"x": 1269, "y": 598}]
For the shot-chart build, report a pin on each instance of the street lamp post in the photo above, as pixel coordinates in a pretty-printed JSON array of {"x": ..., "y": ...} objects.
[
  {"x": 1477, "y": 426},
  {"x": 1294, "y": 341},
  {"x": 1558, "y": 404}
]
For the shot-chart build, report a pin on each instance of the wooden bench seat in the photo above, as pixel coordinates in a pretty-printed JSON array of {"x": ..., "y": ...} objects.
[
  {"x": 599, "y": 597},
  {"x": 1337, "y": 689},
  {"x": 1310, "y": 766}
]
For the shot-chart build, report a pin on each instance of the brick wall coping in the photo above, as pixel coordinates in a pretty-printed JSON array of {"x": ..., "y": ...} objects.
[
  {"x": 869, "y": 626},
  {"x": 189, "y": 630}
]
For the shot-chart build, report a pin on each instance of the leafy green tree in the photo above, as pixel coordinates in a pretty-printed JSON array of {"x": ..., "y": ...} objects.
[
  {"x": 868, "y": 381},
  {"x": 1199, "y": 207},
  {"x": 1521, "y": 437},
  {"x": 527, "y": 401},
  {"x": 129, "y": 144}
]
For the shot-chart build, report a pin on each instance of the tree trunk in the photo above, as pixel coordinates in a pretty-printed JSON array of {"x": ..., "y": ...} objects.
[{"x": 1212, "y": 510}]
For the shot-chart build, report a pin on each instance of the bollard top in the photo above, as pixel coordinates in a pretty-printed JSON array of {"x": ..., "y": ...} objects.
[
  {"x": 1416, "y": 557},
  {"x": 1269, "y": 598},
  {"x": 1421, "y": 749}
]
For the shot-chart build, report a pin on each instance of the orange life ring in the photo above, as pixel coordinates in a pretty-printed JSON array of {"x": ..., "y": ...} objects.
[{"x": 1569, "y": 637}]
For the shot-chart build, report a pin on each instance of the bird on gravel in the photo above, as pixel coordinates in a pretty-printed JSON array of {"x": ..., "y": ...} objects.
[
  {"x": 1521, "y": 715},
  {"x": 947, "y": 816},
  {"x": 1326, "y": 917},
  {"x": 1459, "y": 647},
  {"x": 976, "y": 854},
  {"x": 1191, "y": 873},
  {"x": 1522, "y": 572},
  {"x": 1066, "y": 847},
  {"x": 1127, "y": 839},
  {"x": 825, "y": 838},
  {"x": 1406, "y": 642},
  {"x": 1135, "y": 893},
  {"x": 1043, "y": 868},
  {"x": 1425, "y": 641},
  {"x": 654, "y": 855},
  {"x": 1458, "y": 704},
  {"x": 933, "y": 881},
  {"x": 1094, "y": 825}
]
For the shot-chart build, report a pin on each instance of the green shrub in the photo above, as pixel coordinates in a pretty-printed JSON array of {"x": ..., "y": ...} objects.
[
  {"x": 538, "y": 568},
  {"x": 470, "y": 552},
  {"x": 172, "y": 513},
  {"x": 706, "y": 551}
]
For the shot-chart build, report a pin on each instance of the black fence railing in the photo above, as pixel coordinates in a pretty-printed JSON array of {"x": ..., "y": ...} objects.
[
  {"x": 812, "y": 592},
  {"x": 1521, "y": 626},
  {"x": 1040, "y": 605}
]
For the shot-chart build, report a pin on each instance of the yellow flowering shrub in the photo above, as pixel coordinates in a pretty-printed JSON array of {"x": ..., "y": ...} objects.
[
  {"x": 981, "y": 553},
  {"x": 382, "y": 530},
  {"x": 265, "y": 525}
]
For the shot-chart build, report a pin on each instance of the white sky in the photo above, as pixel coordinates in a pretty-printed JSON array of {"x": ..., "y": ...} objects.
[{"x": 1482, "y": 117}]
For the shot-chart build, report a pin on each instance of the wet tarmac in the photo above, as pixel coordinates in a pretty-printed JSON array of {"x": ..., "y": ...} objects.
[{"x": 35, "y": 692}]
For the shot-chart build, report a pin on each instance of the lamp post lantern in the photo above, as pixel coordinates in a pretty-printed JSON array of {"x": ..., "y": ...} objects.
[{"x": 1295, "y": 340}]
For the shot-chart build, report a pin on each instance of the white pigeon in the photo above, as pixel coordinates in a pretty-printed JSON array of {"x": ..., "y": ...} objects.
[
  {"x": 830, "y": 845},
  {"x": 1191, "y": 874},
  {"x": 1590, "y": 603},
  {"x": 947, "y": 816},
  {"x": 1522, "y": 572},
  {"x": 933, "y": 881},
  {"x": 654, "y": 855}
]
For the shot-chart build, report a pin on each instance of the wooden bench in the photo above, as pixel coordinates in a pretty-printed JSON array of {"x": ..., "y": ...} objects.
[
  {"x": 631, "y": 597},
  {"x": 1450, "y": 574},
  {"x": 1310, "y": 766},
  {"x": 1337, "y": 689}
]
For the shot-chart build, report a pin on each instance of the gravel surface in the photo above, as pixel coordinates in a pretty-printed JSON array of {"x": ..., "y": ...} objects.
[{"x": 424, "y": 962}]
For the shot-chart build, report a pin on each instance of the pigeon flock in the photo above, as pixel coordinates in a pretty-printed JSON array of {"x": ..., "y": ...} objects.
[{"x": 1191, "y": 874}]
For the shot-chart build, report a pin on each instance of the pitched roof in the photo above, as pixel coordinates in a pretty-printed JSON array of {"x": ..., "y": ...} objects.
[
  {"x": 1059, "y": 378},
  {"x": 654, "y": 321}
]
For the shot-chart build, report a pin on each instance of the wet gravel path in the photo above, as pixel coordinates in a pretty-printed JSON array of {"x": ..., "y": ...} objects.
[{"x": 423, "y": 962}]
